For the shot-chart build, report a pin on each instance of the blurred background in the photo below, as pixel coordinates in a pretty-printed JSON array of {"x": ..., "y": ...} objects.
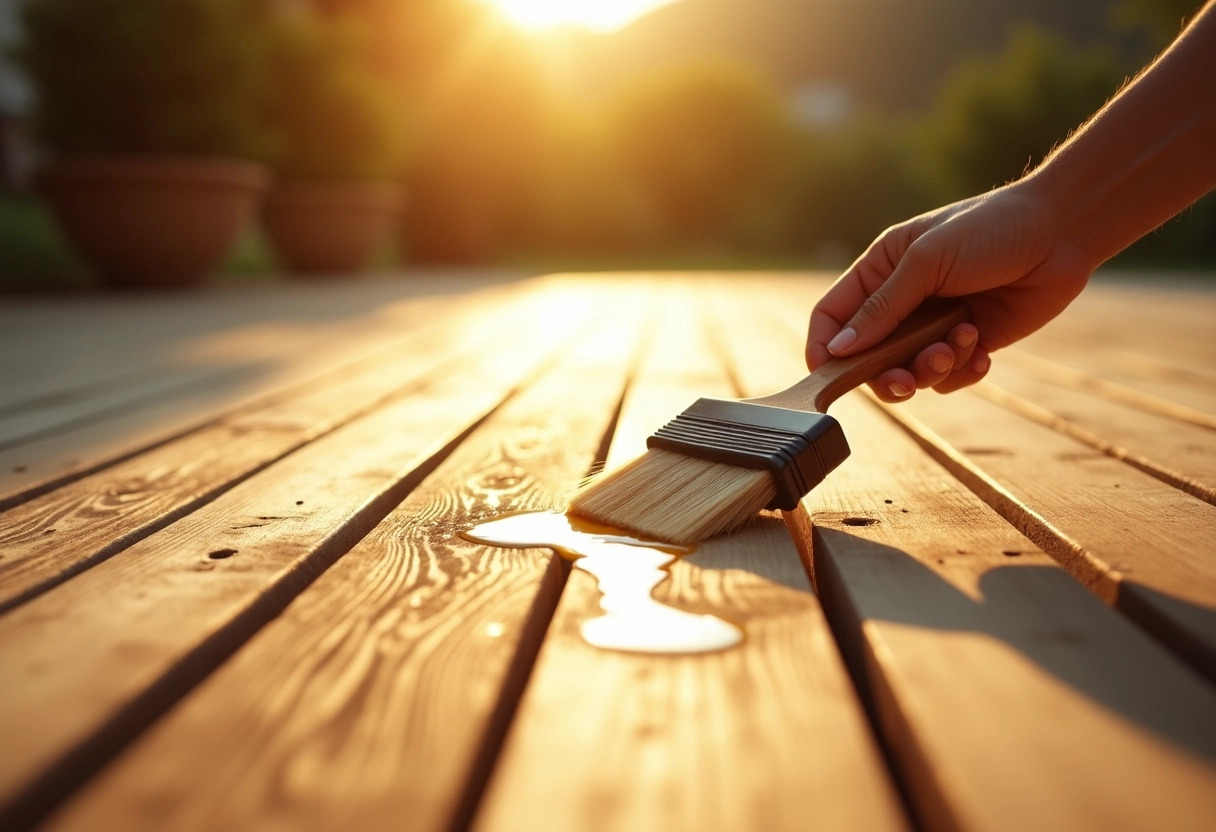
[{"x": 579, "y": 134}]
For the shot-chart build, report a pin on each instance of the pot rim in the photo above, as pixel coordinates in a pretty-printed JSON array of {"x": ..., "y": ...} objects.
[
  {"x": 107, "y": 168},
  {"x": 368, "y": 194}
]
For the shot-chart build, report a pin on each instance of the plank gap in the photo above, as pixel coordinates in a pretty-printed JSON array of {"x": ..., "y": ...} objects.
[
  {"x": 55, "y": 397},
  {"x": 1050, "y": 371},
  {"x": 1016, "y": 404},
  {"x": 285, "y": 391},
  {"x": 129, "y": 405},
  {"x": 421, "y": 377},
  {"x": 857, "y": 651},
  {"x": 536, "y": 625},
  {"x": 64, "y": 777},
  {"x": 1134, "y": 601},
  {"x": 155, "y": 525}
]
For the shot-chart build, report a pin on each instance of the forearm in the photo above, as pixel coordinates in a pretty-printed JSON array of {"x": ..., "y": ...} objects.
[{"x": 1148, "y": 154}]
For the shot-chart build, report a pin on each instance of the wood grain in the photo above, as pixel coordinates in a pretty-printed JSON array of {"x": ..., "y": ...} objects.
[
  {"x": 62, "y": 348},
  {"x": 1157, "y": 314},
  {"x": 98, "y": 658},
  {"x": 52, "y": 537},
  {"x": 1178, "y": 453},
  {"x": 236, "y": 366},
  {"x": 994, "y": 674},
  {"x": 373, "y": 701},
  {"x": 275, "y": 659},
  {"x": 1154, "y": 339},
  {"x": 1009, "y": 697},
  {"x": 1134, "y": 540},
  {"x": 1134, "y": 397},
  {"x": 768, "y": 735}
]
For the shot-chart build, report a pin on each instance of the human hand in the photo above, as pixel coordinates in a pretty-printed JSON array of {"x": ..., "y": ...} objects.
[{"x": 1003, "y": 253}]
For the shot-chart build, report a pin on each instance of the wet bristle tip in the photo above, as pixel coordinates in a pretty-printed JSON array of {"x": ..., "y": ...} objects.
[{"x": 676, "y": 498}]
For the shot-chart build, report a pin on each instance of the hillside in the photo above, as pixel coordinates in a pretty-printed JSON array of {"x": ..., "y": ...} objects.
[{"x": 887, "y": 53}]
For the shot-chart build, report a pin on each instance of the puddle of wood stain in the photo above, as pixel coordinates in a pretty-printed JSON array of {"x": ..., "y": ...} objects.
[{"x": 627, "y": 570}]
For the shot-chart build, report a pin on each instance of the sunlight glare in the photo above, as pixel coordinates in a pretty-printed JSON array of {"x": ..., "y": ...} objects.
[{"x": 600, "y": 15}]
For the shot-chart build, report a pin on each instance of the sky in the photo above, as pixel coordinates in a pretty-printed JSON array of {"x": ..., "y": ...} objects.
[{"x": 599, "y": 15}]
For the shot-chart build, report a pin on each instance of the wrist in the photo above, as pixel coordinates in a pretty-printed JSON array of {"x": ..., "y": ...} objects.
[{"x": 1067, "y": 210}]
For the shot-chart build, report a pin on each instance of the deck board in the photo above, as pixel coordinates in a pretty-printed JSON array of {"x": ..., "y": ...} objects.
[
  {"x": 1141, "y": 334},
  {"x": 1135, "y": 540},
  {"x": 72, "y": 347},
  {"x": 723, "y": 741},
  {"x": 1175, "y": 451},
  {"x": 54, "y": 536},
  {"x": 254, "y": 610},
  {"x": 126, "y": 638},
  {"x": 1090, "y": 515},
  {"x": 186, "y": 379},
  {"x": 966, "y": 636},
  {"x": 371, "y": 699}
]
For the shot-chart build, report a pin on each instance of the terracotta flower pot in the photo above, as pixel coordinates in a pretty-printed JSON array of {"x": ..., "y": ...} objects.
[
  {"x": 152, "y": 220},
  {"x": 328, "y": 227}
]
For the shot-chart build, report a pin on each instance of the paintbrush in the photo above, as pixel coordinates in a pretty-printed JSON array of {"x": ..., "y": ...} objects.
[{"x": 717, "y": 464}]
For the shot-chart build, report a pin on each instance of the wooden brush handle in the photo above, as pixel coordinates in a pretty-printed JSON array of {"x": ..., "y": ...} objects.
[{"x": 929, "y": 323}]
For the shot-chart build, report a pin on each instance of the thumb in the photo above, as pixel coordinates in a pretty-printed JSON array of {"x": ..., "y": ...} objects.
[{"x": 909, "y": 284}]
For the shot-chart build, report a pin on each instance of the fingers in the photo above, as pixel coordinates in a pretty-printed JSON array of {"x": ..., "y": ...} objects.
[
  {"x": 841, "y": 302},
  {"x": 944, "y": 366},
  {"x": 963, "y": 340},
  {"x": 894, "y": 385},
  {"x": 835, "y": 307},
  {"x": 968, "y": 374},
  {"x": 912, "y": 280},
  {"x": 932, "y": 366},
  {"x": 816, "y": 355}
]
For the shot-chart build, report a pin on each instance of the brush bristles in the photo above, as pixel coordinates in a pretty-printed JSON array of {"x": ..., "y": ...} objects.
[{"x": 675, "y": 498}]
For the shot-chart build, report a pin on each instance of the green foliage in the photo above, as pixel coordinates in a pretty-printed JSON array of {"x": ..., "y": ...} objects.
[
  {"x": 485, "y": 133},
  {"x": 583, "y": 202},
  {"x": 856, "y": 181},
  {"x": 33, "y": 252},
  {"x": 188, "y": 76},
  {"x": 710, "y": 142},
  {"x": 994, "y": 119},
  {"x": 336, "y": 117},
  {"x": 1163, "y": 19}
]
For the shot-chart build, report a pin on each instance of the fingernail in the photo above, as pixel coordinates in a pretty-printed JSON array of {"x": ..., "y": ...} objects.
[
  {"x": 965, "y": 338},
  {"x": 899, "y": 391},
  {"x": 940, "y": 363},
  {"x": 843, "y": 340},
  {"x": 981, "y": 365}
]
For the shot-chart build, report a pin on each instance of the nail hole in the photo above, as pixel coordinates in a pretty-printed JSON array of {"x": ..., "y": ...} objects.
[
  {"x": 220, "y": 554},
  {"x": 1011, "y": 553},
  {"x": 904, "y": 510},
  {"x": 299, "y": 502},
  {"x": 888, "y": 502},
  {"x": 859, "y": 521}
]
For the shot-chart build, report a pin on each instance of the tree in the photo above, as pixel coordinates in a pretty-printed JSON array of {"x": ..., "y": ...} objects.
[
  {"x": 709, "y": 142},
  {"x": 1163, "y": 19},
  {"x": 996, "y": 118}
]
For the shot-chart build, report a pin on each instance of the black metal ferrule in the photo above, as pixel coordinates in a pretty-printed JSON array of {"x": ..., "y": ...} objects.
[{"x": 797, "y": 448}]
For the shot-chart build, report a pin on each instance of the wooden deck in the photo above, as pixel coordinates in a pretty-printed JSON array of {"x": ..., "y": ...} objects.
[{"x": 233, "y": 593}]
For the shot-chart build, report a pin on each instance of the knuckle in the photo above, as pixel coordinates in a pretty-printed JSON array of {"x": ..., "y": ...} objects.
[
  {"x": 922, "y": 254},
  {"x": 876, "y": 307}
]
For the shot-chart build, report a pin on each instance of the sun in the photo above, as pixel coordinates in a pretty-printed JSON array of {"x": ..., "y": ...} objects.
[{"x": 600, "y": 15}]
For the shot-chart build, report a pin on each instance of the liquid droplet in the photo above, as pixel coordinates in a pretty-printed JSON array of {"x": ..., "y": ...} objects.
[{"x": 627, "y": 570}]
